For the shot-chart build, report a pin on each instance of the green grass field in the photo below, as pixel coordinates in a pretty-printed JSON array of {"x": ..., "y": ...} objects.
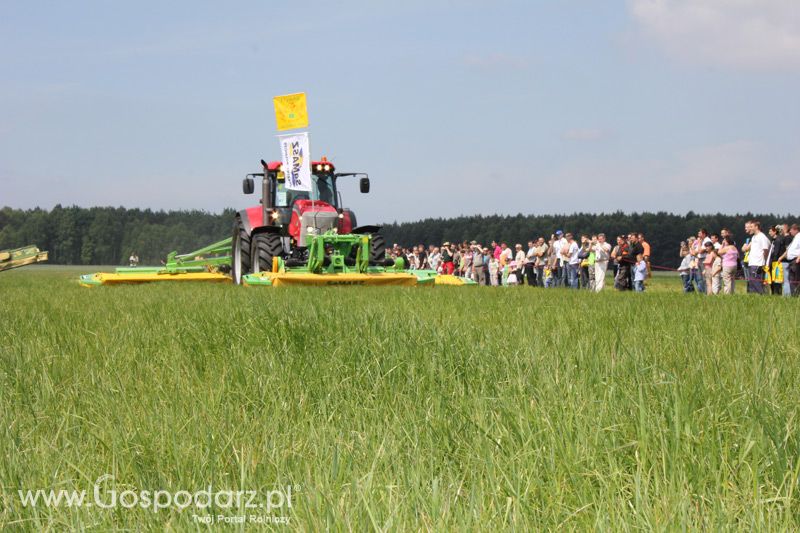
[{"x": 392, "y": 408}]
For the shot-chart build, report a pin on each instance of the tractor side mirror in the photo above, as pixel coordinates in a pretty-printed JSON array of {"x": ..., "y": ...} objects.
[
  {"x": 363, "y": 183},
  {"x": 248, "y": 186}
]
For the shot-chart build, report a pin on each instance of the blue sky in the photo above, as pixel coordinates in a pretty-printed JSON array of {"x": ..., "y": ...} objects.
[{"x": 452, "y": 107}]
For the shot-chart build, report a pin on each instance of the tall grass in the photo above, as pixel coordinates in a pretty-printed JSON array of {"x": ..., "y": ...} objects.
[{"x": 394, "y": 408}]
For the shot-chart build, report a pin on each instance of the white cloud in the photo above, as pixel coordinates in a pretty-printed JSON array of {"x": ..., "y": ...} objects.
[{"x": 752, "y": 34}]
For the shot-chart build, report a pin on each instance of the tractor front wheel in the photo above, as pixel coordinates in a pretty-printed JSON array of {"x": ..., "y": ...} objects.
[
  {"x": 265, "y": 246},
  {"x": 240, "y": 252}
]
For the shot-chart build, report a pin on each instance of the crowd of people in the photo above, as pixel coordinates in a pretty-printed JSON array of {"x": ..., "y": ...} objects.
[
  {"x": 560, "y": 261},
  {"x": 769, "y": 263},
  {"x": 710, "y": 263}
]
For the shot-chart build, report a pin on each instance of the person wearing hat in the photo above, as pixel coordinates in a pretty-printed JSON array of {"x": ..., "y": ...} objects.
[{"x": 447, "y": 259}]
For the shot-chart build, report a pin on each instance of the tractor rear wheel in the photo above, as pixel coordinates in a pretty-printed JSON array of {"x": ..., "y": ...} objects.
[
  {"x": 265, "y": 246},
  {"x": 377, "y": 249},
  {"x": 240, "y": 252}
]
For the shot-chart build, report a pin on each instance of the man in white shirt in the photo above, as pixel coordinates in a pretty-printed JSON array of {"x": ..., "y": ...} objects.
[
  {"x": 602, "y": 251},
  {"x": 793, "y": 257},
  {"x": 757, "y": 258},
  {"x": 573, "y": 261}
]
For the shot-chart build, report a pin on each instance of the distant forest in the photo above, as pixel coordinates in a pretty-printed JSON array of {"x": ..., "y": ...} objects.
[{"x": 108, "y": 235}]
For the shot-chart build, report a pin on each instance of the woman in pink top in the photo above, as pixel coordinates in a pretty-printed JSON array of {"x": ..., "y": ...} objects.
[{"x": 730, "y": 260}]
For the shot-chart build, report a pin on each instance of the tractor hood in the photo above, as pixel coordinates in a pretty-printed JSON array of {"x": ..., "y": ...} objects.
[{"x": 310, "y": 218}]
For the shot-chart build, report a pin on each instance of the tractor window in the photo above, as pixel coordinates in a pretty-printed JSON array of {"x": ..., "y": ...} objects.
[
  {"x": 285, "y": 197},
  {"x": 280, "y": 196},
  {"x": 323, "y": 189}
]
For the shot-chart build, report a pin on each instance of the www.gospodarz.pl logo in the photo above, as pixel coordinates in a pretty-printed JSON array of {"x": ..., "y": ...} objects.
[{"x": 269, "y": 506}]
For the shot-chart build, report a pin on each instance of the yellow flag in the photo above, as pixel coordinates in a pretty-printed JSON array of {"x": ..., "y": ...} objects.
[{"x": 290, "y": 111}]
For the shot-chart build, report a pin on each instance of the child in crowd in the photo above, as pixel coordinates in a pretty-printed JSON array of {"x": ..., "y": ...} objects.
[
  {"x": 639, "y": 273},
  {"x": 494, "y": 266},
  {"x": 510, "y": 274}
]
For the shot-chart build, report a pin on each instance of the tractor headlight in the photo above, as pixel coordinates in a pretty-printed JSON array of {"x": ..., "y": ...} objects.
[
  {"x": 319, "y": 168},
  {"x": 341, "y": 215},
  {"x": 327, "y": 168},
  {"x": 275, "y": 215}
]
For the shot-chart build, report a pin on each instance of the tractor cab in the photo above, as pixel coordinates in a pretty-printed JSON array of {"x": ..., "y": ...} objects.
[{"x": 323, "y": 185}]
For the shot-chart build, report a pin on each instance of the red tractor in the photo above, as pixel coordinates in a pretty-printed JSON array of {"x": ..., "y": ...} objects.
[{"x": 281, "y": 225}]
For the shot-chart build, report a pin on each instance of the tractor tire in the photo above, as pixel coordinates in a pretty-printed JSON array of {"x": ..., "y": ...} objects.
[
  {"x": 377, "y": 250},
  {"x": 265, "y": 246},
  {"x": 240, "y": 253}
]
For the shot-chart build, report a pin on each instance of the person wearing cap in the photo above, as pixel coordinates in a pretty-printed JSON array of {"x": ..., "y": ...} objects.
[{"x": 447, "y": 259}]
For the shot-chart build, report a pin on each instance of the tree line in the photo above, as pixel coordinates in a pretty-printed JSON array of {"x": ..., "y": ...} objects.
[{"x": 108, "y": 235}]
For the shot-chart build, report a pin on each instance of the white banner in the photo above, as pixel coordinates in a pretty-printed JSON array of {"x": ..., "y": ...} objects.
[{"x": 296, "y": 159}]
